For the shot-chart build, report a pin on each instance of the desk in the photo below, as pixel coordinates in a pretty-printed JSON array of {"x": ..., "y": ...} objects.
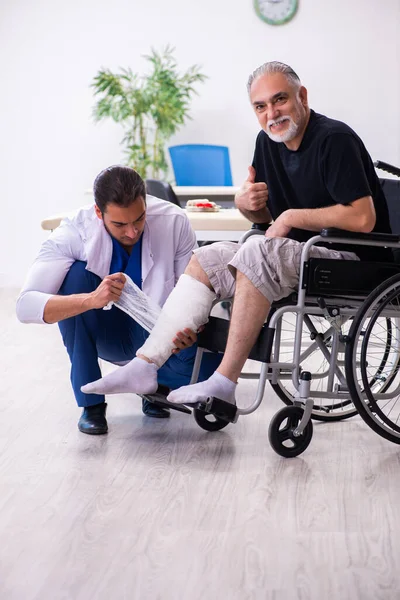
[
  {"x": 227, "y": 224},
  {"x": 222, "y": 195}
]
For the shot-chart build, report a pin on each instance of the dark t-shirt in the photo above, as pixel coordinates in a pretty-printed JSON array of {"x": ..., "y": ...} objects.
[{"x": 331, "y": 166}]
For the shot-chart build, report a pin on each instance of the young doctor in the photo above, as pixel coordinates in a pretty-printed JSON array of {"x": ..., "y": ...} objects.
[{"x": 80, "y": 270}]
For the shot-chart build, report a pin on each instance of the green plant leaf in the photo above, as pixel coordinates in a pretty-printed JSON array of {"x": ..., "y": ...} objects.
[{"x": 150, "y": 107}]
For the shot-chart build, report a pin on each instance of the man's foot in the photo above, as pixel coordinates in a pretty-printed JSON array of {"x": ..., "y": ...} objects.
[
  {"x": 152, "y": 410},
  {"x": 137, "y": 377},
  {"x": 217, "y": 386},
  {"x": 93, "y": 419}
]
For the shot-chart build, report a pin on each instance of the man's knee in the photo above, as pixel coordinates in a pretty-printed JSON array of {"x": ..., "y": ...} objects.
[
  {"x": 268, "y": 250},
  {"x": 195, "y": 270},
  {"x": 79, "y": 280},
  {"x": 210, "y": 266},
  {"x": 271, "y": 264},
  {"x": 253, "y": 250}
]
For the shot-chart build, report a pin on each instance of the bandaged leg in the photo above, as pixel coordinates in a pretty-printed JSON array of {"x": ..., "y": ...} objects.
[{"x": 188, "y": 306}]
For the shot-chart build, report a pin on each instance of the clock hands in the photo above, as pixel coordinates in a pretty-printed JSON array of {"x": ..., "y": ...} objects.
[{"x": 276, "y": 12}]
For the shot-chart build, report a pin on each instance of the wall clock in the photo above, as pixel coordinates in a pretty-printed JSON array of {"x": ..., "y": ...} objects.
[{"x": 276, "y": 12}]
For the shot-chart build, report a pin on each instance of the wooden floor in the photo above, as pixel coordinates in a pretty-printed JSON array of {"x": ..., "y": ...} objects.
[{"x": 162, "y": 510}]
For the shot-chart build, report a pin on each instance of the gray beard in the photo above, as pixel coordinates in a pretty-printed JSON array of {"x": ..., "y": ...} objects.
[{"x": 288, "y": 135}]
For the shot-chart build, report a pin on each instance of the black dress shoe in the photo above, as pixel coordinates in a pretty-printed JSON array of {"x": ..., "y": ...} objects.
[
  {"x": 152, "y": 410},
  {"x": 93, "y": 419}
]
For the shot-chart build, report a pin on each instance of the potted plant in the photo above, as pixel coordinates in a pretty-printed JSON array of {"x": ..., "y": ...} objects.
[{"x": 151, "y": 108}]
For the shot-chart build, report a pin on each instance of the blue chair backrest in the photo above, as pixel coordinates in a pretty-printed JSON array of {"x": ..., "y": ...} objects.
[{"x": 201, "y": 164}]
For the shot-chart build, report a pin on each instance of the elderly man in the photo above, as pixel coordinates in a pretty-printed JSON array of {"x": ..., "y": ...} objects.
[
  {"x": 309, "y": 172},
  {"x": 80, "y": 270}
]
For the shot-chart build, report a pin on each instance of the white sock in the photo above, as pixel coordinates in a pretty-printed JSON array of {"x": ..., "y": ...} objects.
[
  {"x": 217, "y": 385},
  {"x": 137, "y": 377},
  {"x": 188, "y": 305}
]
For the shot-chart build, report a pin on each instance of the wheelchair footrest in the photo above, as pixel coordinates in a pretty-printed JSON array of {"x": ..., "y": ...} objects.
[
  {"x": 160, "y": 400},
  {"x": 219, "y": 408}
]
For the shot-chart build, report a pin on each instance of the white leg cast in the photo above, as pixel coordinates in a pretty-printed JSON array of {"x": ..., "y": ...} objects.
[{"x": 188, "y": 305}]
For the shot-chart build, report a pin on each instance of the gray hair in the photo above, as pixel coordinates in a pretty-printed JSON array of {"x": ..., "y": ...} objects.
[{"x": 272, "y": 67}]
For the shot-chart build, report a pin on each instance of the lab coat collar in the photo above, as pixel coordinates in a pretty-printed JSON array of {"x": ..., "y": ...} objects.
[
  {"x": 98, "y": 245},
  {"x": 147, "y": 255}
]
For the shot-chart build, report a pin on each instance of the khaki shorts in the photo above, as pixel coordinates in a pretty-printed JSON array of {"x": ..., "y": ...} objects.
[{"x": 271, "y": 264}]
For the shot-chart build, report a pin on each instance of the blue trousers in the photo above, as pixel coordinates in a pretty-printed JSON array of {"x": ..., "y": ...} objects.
[{"x": 113, "y": 336}]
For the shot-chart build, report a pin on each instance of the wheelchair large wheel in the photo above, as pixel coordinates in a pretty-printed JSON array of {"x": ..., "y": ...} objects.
[
  {"x": 313, "y": 360},
  {"x": 373, "y": 360},
  {"x": 281, "y": 432}
]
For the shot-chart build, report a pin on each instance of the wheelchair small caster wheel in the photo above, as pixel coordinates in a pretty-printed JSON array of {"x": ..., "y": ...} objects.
[
  {"x": 281, "y": 432},
  {"x": 208, "y": 421}
]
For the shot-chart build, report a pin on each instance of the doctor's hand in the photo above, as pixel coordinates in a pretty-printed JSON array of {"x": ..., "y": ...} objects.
[
  {"x": 252, "y": 196},
  {"x": 184, "y": 339},
  {"x": 109, "y": 290}
]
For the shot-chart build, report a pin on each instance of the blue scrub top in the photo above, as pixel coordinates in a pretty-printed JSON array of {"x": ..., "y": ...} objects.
[{"x": 122, "y": 262}]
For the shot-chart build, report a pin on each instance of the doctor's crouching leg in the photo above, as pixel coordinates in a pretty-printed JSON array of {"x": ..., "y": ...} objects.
[
  {"x": 206, "y": 279},
  {"x": 93, "y": 334},
  {"x": 96, "y": 333}
]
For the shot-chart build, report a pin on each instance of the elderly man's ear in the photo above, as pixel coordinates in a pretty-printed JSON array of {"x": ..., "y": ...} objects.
[{"x": 303, "y": 95}]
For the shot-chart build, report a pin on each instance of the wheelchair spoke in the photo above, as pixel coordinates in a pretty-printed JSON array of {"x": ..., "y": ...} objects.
[
  {"x": 373, "y": 360},
  {"x": 317, "y": 332}
]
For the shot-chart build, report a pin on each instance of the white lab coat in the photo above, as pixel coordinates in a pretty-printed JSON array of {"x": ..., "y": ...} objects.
[{"x": 167, "y": 245}]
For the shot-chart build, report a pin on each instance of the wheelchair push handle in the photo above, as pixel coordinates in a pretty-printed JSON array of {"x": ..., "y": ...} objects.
[{"x": 388, "y": 168}]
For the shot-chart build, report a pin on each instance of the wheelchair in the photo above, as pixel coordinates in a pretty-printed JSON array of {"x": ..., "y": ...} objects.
[{"x": 330, "y": 351}]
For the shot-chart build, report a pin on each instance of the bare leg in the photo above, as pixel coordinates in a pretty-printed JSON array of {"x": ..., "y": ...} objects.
[{"x": 250, "y": 309}]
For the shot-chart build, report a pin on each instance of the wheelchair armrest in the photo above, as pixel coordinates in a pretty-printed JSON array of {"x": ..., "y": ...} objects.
[
  {"x": 256, "y": 229},
  {"x": 332, "y": 232},
  {"x": 379, "y": 164},
  {"x": 261, "y": 226},
  {"x": 250, "y": 233}
]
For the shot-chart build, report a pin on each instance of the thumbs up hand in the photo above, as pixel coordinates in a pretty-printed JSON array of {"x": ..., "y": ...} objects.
[
  {"x": 251, "y": 178},
  {"x": 252, "y": 196}
]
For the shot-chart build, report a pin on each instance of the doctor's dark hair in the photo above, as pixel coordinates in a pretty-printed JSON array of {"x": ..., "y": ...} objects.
[{"x": 118, "y": 185}]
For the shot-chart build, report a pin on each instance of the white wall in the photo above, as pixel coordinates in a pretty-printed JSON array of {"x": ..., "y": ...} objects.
[{"x": 346, "y": 53}]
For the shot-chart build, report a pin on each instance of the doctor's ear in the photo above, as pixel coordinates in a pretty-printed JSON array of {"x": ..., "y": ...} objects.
[{"x": 98, "y": 212}]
